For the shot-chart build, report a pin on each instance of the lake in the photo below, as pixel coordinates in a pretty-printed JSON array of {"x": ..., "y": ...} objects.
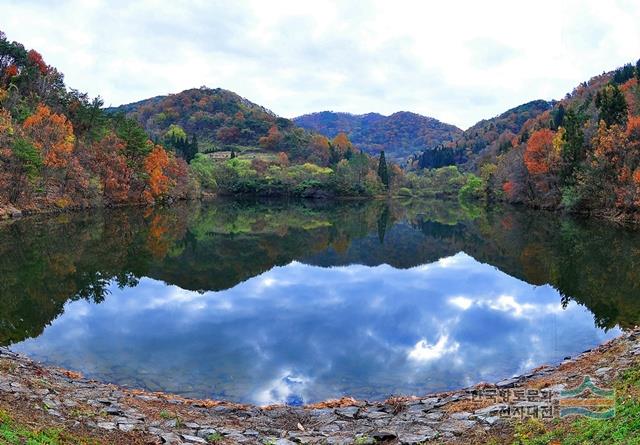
[{"x": 297, "y": 302}]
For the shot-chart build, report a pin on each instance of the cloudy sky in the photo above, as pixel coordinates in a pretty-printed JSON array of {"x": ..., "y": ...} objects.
[{"x": 458, "y": 61}]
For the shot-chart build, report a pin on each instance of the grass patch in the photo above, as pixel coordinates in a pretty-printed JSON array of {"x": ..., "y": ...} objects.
[
  {"x": 13, "y": 433},
  {"x": 215, "y": 437},
  {"x": 623, "y": 429}
]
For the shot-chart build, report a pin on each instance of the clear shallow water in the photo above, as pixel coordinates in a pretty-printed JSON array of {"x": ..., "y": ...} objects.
[{"x": 293, "y": 303}]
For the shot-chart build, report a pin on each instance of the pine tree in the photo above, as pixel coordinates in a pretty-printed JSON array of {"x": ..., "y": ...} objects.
[
  {"x": 638, "y": 70},
  {"x": 233, "y": 153},
  {"x": 383, "y": 173},
  {"x": 558, "y": 117},
  {"x": 612, "y": 105},
  {"x": 573, "y": 150}
]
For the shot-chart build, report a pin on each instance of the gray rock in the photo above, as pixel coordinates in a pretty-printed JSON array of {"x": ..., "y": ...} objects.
[
  {"x": 110, "y": 426},
  {"x": 329, "y": 428},
  {"x": 493, "y": 409},
  {"x": 171, "y": 439},
  {"x": 461, "y": 415},
  {"x": 507, "y": 383},
  {"x": 283, "y": 441},
  {"x": 434, "y": 416},
  {"x": 415, "y": 438},
  {"x": 206, "y": 432},
  {"x": 113, "y": 411},
  {"x": 126, "y": 427},
  {"x": 415, "y": 409},
  {"x": 350, "y": 412},
  {"x": 602, "y": 371},
  {"x": 375, "y": 415},
  {"x": 383, "y": 435},
  {"x": 491, "y": 420},
  {"x": 193, "y": 439},
  {"x": 456, "y": 427}
]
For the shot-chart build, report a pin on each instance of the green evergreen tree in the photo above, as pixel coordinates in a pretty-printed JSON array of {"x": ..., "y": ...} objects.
[
  {"x": 638, "y": 70},
  {"x": 233, "y": 153},
  {"x": 383, "y": 172},
  {"x": 573, "y": 151},
  {"x": 558, "y": 117},
  {"x": 612, "y": 105}
]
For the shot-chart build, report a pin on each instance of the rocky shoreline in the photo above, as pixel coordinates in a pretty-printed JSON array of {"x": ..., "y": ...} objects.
[{"x": 118, "y": 415}]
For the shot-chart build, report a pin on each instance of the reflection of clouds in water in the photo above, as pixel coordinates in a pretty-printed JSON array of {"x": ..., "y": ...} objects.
[
  {"x": 463, "y": 303},
  {"x": 287, "y": 388},
  {"x": 349, "y": 330},
  {"x": 425, "y": 352}
]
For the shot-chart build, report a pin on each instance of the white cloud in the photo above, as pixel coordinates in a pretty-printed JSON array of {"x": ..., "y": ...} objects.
[
  {"x": 463, "y": 303},
  {"x": 458, "y": 61},
  {"x": 423, "y": 351}
]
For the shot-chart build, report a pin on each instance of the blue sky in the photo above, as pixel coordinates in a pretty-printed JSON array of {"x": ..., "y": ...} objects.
[{"x": 458, "y": 61}]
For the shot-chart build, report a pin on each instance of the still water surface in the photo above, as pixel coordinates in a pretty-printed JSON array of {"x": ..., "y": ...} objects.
[{"x": 299, "y": 302}]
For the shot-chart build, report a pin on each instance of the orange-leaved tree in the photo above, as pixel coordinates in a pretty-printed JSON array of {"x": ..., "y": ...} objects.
[
  {"x": 539, "y": 154},
  {"x": 52, "y": 134},
  {"x": 158, "y": 182}
]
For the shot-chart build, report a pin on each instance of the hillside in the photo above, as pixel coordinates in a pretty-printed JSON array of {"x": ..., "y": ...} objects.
[
  {"x": 399, "y": 134},
  {"x": 581, "y": 153},
  {"x": 218, "y": 118},
  {"x": 60, "y": 150},
  {"x": 499, "y": 130}
]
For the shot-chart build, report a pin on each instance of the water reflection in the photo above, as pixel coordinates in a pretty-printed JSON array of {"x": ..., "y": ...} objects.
[{"x": 287, "y": 302}]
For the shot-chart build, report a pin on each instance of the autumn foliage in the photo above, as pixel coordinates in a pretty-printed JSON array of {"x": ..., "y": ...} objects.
[
  {"x": 539, "y": 153},
  {"x": 52, "y": 134},
  {"x": 59, "y": 149}
]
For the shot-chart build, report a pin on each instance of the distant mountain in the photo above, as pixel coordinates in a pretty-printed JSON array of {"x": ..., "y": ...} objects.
[
  {"x": 399, "y": 134},
  {"x": 217, "y": 117},
  {"x": 500, "y": 129}
]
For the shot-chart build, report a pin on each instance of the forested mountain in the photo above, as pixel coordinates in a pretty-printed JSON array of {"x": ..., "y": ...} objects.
[
  {"x": 218, "y": 118},
  {"x": 493, "y": 135},
  {"x": 399, "y": 134},
  {"x": 581, "y": 154}
]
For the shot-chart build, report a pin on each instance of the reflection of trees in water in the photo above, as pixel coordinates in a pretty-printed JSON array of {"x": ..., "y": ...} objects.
[{"x": 48, "y": 261}]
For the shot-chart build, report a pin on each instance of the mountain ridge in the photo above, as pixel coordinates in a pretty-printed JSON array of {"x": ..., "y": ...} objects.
[{"x": 399, "y": 134}]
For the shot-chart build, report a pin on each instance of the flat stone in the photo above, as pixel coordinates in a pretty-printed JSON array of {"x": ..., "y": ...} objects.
[
  {"x": 171, "y": 439},
  {"x": 434, "y": 416},
  {"x": 383, "y": 435},
  {"x": 349, "y": 411},
  {"x": 375, "y": 415},
  {"x": 113, "y": 411},
  {"x": 490, "y": 409},
  {"x": 329, "y": 428},
  {"x": 193, "y": 439},
  {"x": 416, "y": 438},
  {"x": 416, "y": 409},
  {"x": 461, "y": 415},
  {"x": 126, "y": 427},
  {"x": 206, "y": 432},
  {"x": 110, "y": 426},
  {"x": 602, "y": 371},
  {"x": 283, "y": 441},
  {"x": 507, "y": 383},
  {"x": 456, "y": 427}
]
